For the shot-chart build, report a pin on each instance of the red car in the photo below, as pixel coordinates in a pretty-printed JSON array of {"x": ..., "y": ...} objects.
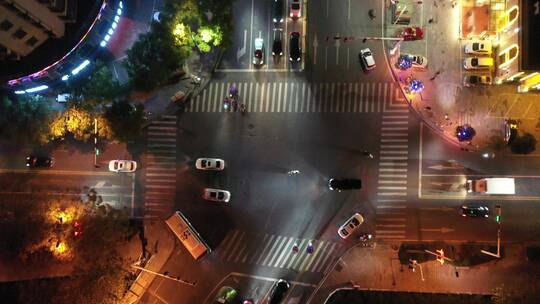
[{"x": 412, "y": 33}]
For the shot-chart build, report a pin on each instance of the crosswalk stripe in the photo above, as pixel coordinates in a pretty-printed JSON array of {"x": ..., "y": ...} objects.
[
  {"x": 392, "y": 193},
  {"x": 391, "y": 188},
  {"x": 278, "y": 250},
  {"x": 393, "y": 157},
  {"x": 268, "y": 254},
  {"x": 261, "y": 255},
  {"x": 394, "y": 134},
  {"x": 237, "y": 242},
  {"x": 229, "y": 241},
  {"x": 394, "y": 146},
  {"x": 391, "y": 182},
  {"x": 393, "y": 164},
  {"x": 392, "y": 170},
  {"x": 394, "y": 152},
  {"x": 300, "y": 255},
  {"x": 323, "y": 260},
  {"x": 284, "y": 251},
  {"x": 393, "y": 175},
  {"x": 393, "y": 140}
]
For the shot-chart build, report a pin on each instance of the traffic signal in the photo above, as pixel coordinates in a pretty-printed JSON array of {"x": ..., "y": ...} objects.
[
  {"x": 440, "y": 256},
  {"x": 97, "y": 151}
]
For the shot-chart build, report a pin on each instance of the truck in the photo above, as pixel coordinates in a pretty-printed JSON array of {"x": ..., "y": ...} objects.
[{"x": 492, "y": 185}]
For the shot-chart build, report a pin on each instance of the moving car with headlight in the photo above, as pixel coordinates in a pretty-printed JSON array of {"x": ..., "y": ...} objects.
[
  {"x": 295, "y": 10},
  {"x": 122, "y": 166},
  {"x": 258, "y": 55},
  {"x": 215, "y": 164},
  {"x": 350, "y": 225},
  {"x": 294, "y": 47},
  {"x": 35, "y": 161},
  {"x": 216, "y": 195}
]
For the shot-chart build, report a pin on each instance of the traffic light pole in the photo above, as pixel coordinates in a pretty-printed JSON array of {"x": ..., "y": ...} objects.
[{"x": 498, "y": 219}]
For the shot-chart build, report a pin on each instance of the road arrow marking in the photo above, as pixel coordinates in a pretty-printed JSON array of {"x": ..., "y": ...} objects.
[
  {"x": 242, "y": 51},
  {"x": 440, "y": 230}
]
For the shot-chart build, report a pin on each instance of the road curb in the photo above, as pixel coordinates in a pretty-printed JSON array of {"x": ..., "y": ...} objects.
[{"x": 426, "y": 121}]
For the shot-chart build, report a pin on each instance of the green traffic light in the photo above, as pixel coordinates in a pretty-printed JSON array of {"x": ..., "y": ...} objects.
[
  {"x": 497, "y": 218},
  {"x": 97, "y": 151}
]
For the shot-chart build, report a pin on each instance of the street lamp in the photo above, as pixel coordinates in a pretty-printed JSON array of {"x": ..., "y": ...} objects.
[{"x": 96, "y": 150}]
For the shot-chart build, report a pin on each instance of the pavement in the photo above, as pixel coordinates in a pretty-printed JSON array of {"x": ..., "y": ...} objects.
[
  {"x": 445, "y": 103},
  {"x": 159, "y": 241},
  {"x": 379, "y": 268}
]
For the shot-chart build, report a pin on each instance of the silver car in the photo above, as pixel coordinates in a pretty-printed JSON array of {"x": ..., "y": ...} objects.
[
  {"x": 125, "y": 166},
  {"x": 215, "y": 164},
  {"x": 216, "y": 195}
]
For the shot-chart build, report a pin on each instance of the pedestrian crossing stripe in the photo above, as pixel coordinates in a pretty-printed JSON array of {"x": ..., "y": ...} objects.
[
  {"x": 301, "y": 97},
  {"x": 160, "y": 169},
  {"x": 275, "y": 251}
]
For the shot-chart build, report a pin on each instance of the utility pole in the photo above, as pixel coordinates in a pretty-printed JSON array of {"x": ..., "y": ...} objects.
[
  {"x": 498, "y": 220},
  {"x": 165, "y": 276},
  {"x": 96, "y": 150}
]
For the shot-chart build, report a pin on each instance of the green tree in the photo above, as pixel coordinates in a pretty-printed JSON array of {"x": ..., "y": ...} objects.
[
  {"x": 125, "y": 120},
  {"x": 79, "y": 124},
  {"x": 153, "y": 58},
  {"x": 24, "y": 119},
  {"x": 523, "y": 144}
]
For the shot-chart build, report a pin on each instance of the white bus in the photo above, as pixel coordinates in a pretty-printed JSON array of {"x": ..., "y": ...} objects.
[{"x": 189, "y": 237}]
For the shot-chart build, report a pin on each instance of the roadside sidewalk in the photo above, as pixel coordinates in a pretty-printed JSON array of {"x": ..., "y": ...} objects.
[
  {"x": 379, "y": 269},
  {"x": 198, "y": 70},
  {"x": 445, "y": 102},
  {"x": 159, "y": 245}
]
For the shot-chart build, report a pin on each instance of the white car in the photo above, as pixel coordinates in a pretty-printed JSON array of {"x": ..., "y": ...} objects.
[
  {"x": 216, "y": 195},
  {"x": 215, "y": 164},
  {"x": 478, "y": 47},
  {"x": 418, "y": 61},
  {"x": 258, "y": 55},
  {"x": 295, "y": 9},
  {"x": 476, "y": 80},
  {"x": 350, "y": 225},
  {"x": 367, "y": 60},
  {"x": 122, "y": 165},
  {"x": 477, "y": 63}
]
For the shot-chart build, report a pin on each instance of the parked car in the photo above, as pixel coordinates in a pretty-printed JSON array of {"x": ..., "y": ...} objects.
[
  {"x": 277, "y": 45},
  {"x": 418, "y": 61},
  {"x": 510, "y": 130},
  {"x": 478, "y": 47},
  {"x": 295, "y": 9},
  {"x": 226, "y": 294},
  {"x": 258, "y": 55},
  {"x": 294, "y": 47},
  {"x": 412, "y": 33},
  {"x": 350, "y": 225},
  {"x": 34, "y": 161},
  {"x": 476, "y": 63},
  {"x": 124, "y": 166},
  {"x": 277, "y": 11},
  {"x": 178, "y": 96},
  {"x": 215, "y": 164},
  {"x": 476, "y": 80},
  {"x": 366, "y": 59},
  {"x": 344, "y": 184},
  {"x": 279, "y": 290},
  {"x": 474, "y": 211},
  {"x": 216, "y": 195}
]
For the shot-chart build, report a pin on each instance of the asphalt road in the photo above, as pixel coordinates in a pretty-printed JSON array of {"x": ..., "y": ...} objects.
[{"x": 317, "y": 119}]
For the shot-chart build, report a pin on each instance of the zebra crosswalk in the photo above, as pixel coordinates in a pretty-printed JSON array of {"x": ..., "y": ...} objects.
[
  {"x": 392, "y": 183},
  {"x": 276, "y": 251},
  {"x": 300, "y": 97},
  {"x": 160, "y": 167}
]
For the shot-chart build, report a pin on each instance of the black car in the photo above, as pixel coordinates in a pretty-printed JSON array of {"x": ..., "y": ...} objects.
[
  {"x": 294, "y": 47},
  {"x": 277, "y": 46},
  {"x": 34, "y": 161},
  {"x": 278, "y": 291},
  {"x": 344, "y": 184},
  {"x": 277, "y": 11},
  {"x": 474, "y": 211}
]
